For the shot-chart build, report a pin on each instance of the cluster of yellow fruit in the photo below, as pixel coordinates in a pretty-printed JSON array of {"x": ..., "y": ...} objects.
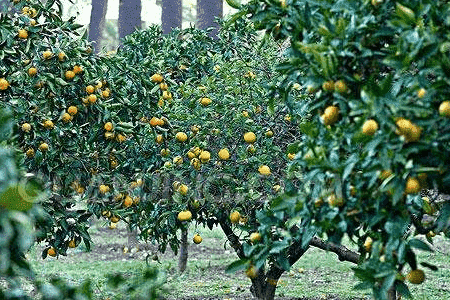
[
  {"x": 197, "y": 157},
  {"x": 339, "y": 86},
  {"x": 114, "y": 219},
  {"x": 410, "y": 131},
  {"x": 180, "y": 188},
  {"x": 93, "y": 92},
  {"x": 237, "y": 218}
]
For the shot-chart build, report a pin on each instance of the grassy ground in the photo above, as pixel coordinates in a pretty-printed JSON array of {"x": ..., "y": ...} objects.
[{"x": 317, "y": 275}]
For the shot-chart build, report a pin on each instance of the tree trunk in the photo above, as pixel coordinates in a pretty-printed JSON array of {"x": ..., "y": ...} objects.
[
  {"x": 129, "y": 17},
  {"x": 182, "y": 261},
  {"x": 207, "y": 10},
  {"x": 97, "y": 22},
  {"x": 392, "y": 294},
  {"x": 171, "y": 15}
]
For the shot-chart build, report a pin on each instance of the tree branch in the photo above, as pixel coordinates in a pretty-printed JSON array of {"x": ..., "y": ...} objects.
[
  {"x": 233, "y": 239},
  {"x": 343, "y": 253}
]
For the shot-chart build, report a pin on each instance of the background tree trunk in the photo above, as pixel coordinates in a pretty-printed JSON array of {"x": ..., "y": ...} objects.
[
  {"x": 129, "y": 17},
  {"x": 97, "y": 22},
  {"x": 182, "y": 261},
  {"x": 171, "y": 15},
  {"x": 207, "y": 10}
]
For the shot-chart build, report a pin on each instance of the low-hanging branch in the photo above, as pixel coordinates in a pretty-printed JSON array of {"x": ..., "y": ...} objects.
[{"x": 343, "y": 253}]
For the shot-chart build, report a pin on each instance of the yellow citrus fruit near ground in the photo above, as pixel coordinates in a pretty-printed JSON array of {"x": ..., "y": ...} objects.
[
  {"x": 205, "y": 101},
  {"x": 197, "y": 239},
  {"x": 224, "y": 154},
  {"x": 114, "y": 219},
  {"x": 47, "y": 54},
  {"x": 66, "y": 117},
  {"x": 421, "y": 93},
  {"x": 30, "y": 152},
  {"x": 113, "y": 225},
  {"x": 72, "y": 110},
  {"x": 328, "y": 86},
  {"x": 251, "y": 272},
  {"x": 184, "y": 215},
  {"x": 26, "y": 127},
  {"x": 183, "y": 189},
  {"x": 190, "y": 155},
  {"x": 77, "y": 69},
  {"x": 330, "y": 115},
  {"x": 255, "y": 237},
  {"x": 204, "y": 156},
  {"x": 249, "y": 137},
  {"x": 4, "y": 84},
  {"x": 368, "y": 244},
  {"x": 234, "y": 217},
  {"x": 264, "y": 170},
  {"x": 158, "y": 78},
  {"x": 43, "y": 147},
  {"x": 370, "y": 127},
  {"x": 48, "y": 124},
  {"x": 103, "y": 189},
  {"x": 90, "y": 89},
  {"x": 167, "y": 164},
  {"x": 72, "y": 244},
  {"x": 341, "y": 87},
  {"x": 416, "y": 276},
  {"x": 32, "y": 71},
  {"x": 51, "y": 252},
  {"x": 181, "y": 136},
  {"x": 444, "y": 109},
  {"x": 108, "y": 126},
  {"x": 412, "y": 186}
]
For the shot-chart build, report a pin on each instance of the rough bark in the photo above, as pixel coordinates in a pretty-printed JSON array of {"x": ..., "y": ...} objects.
[
  {"x": 342, "y": 252},
  {"x": 171, "y": 15},
  {"x": 97, "y": 23},
  {"x": 182, "y": 261},
  {"x": 207, "y": 10},
  {"x": 129, "y": 17}
]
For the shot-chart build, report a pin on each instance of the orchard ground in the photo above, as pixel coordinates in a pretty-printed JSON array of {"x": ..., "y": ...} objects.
[{"x": 317, "y": 275}]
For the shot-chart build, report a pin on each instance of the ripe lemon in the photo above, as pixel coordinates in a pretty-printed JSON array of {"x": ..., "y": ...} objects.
[
  {"x": 61, "y": 56},
  {"x": 370, "y": 127},
  {"x": 255, "y": 237},
  {"x": 264, "y": 170},
  {"x": 66, "y": 117},
  {"x": 113, "y": 225},
  {"x": 224, "y": 154},
  {"x": 196, "y": 163},
  {"x": 154, "y": 121},
  {"x": 165, "y": 152},
  {"x": 181, "y": 136},
  {"x": 47, "y": 54},
  {"x": 190, "y": 155},
  {"x": 128, "y": 201},
  {"x": 235, "y": 217},
  {"x": 195, "y": 129},
  {"x": 30, "y": 152},
  {"x": 77, "y": 69},
  {"x": 205, "y": 101},
  {"x": 328, "y": 86},
  {"x": 4, "y": 84},
  {"x": 167, "y": 164},
  {"x": 368, "y": 244},
  {"x": 196, "y": 151},
  {"x": 421, "y": 93},
  {"x": 32, "y": 71},
  {"x": 204, "y": 156},
  {"x": 26, "y": 127},
  {"x": 197, "y": 239},
  {"x": 444, "y": 109},
  {"x": 167, "y": 95},
  {"x": 158, "y": 78},
  {"x": 51, "y": 252},
  {"x": 341, "y": 87},
  {"x": 43, "y": 147},
  {"x": 251, "y": 272},
  {"x": 108, "y": 126},
  {"x": 287, "y": 117},
  {"x": 72, "y": 244},
  {"x": 103, "y": 189},
  {"x": 106, "y": 94},
  {"x": 163, "y": 86},
  {"x": 249, "y": 137},
  {"x": 245, "y": 114},
  {"x": 109, "y": 135},
  {"x": 276, "y": 188},
  {"x": 330, "y": 115},
  {"x": 412, "y": 186},
  {"x": 291, "y": 156},
  {"x": 92, "y": 98},
  {"x": 48, "y": 124},
  {"x": 72, "y": 110},
  {"x": 90, "y": 89},
  {"x": 416, "y": 276},
  {"x": 184, "y": 215},
  {"x": 183, "y": 189}
]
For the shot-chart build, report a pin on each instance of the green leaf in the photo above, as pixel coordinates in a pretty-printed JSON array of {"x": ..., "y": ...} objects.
[
  {"x": 234, "y": 4},
  {"x": 418, "y": 244},
  {"x": 237, "y": 266}
]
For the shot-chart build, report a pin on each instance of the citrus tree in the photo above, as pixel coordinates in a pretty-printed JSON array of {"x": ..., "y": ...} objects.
[{"x": 374, "y": 135}]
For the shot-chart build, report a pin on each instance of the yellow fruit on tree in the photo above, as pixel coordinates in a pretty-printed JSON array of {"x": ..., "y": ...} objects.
[
  {"x": 183, "y": 189},
  {"x": 291, "y": 156},
  {"x": 163, "y": 86},
  {"x": 444, "y": 109},
  {"x": 178, "y": 160},
  {"x": 368, "y": 244},
  {"x": 26, "y": 127},
  {"x": 184, "y": 215},
  {"x": 167, "y": 95},
  {"x": 43, "y": 147},
  {"x": 249, "y": 137},
  {"x": 235, "y": 217},
  {"x": 421, "y": 93},
  {"x": 30, "y": 153},
  {"x": 204, "y": 156},
  {"x": 330, "y": 115},
  {"x": 48, "y": 124},
  {"x": 205, "y": 101},
  {"x": 416, "y": 276},
  {"x": 109, "y": 135},
  {"x": 269, "y": 133},
  {"x": 90, "y": 89},
  {"x": 412, "y": 186},
  {"x": 106, "y": 93},
  {"x": 51, "y": 252},
  {"x": 47, "y": 54},
  {"x": 158, "y": 78},
  {"x": 77, "y": 69},
  {"x": 251, "y": 272},
  {"x": 32, "y": 71},
  {"x": 376, "y": 3},
  {"x": 385, "y": 174},
  {"x": 197, "y": 239},
  {"x": 195, "y": 129},
  {"x": 328, "y": 86},
  {"x": 72, "y": 244},
  {"x": 108, "y": 126},
  {"x": 341, "y": 87},
  {"x": 92, "y": 98},
  {"x": 61, "y": 56},
  {"x": 224, "y": 154},
  {"x": 66, "y": 117},
  {"x": 4, "y": 84},
  {"x": 245, "y": 114},
  {"x": 159, "y": 138},
  {"x": 103, "y": 189},
  {"x": 334, "y": 201},
  {"x": 165, "y": 152},
  {"x": 255, "y": 237},
  {"x": 112, "y": 225},
  {"x": 114, "y": 219},
  {"x": 370, "y": 127},
  {"x": 72, "y": 110},
  {"x": 264, "y": 170},
  {"x": 181, "y": 136}
]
